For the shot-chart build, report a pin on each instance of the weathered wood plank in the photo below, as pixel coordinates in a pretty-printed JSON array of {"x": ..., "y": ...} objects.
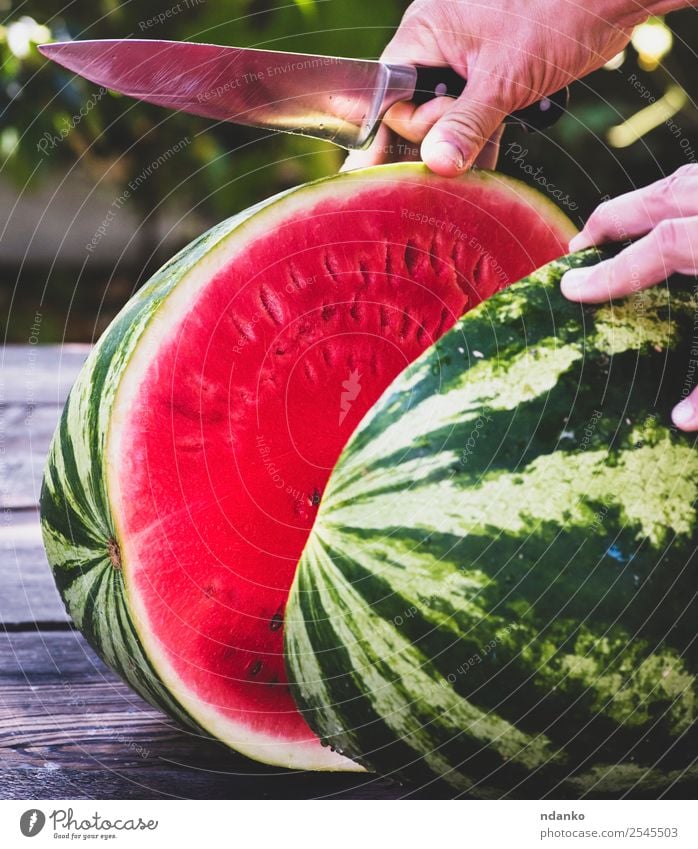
[
  {"x": 39, "y": 374},
  {"x": 37, "y": 657},
  {"x": 69, "y": 728},
  {"x": 28, "y": 591},
  {"x": 26, "y": 434},
  {"x": 52, "y": 782}
]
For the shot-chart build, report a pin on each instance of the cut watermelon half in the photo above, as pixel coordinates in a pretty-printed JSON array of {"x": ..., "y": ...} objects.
[{"x": 238, "y": 390}]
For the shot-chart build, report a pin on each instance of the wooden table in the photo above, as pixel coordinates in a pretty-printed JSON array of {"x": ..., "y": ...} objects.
[{"x": 69, "y": 728}]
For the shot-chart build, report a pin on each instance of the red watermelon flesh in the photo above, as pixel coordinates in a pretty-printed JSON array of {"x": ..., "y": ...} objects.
[{"x": 245, "y": 388}]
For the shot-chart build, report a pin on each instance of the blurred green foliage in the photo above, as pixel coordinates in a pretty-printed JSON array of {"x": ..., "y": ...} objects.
[{"x": 225, "y": 167}]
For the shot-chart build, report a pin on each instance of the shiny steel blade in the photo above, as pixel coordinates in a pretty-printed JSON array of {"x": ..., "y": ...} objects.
[{"x": 340, "y": 100}]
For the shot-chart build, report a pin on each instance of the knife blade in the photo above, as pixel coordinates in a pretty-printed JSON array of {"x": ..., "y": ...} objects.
[{"x": 336, "y": 99}]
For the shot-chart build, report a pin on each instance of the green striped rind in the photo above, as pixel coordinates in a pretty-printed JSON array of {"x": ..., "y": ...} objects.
[
  {"x": 76, "y": 519},
  {"x": 500, "y": 587}
]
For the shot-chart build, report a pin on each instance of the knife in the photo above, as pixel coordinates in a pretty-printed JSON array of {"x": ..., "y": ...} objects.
[{"x": 340, "y": 100}]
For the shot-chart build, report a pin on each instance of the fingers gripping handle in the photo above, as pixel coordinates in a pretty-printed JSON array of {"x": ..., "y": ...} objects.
[{"x": 445, "y": 82}]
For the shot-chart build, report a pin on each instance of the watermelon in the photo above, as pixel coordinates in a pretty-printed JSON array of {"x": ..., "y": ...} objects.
[
  {"x": 499, "y": 591},
  {"x": 194, "y": 449}
]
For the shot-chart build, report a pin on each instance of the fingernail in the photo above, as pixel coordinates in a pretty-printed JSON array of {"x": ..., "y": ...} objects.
[
  {"x": 683, "y": 413},
  {"x": 449, "y": 154},
  {"x": 578, "y": 242},
  {"x": 574, "y": 281}
]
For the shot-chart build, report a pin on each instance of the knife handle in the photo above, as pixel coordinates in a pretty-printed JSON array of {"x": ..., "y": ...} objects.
[{"x": 445, "y": 82}]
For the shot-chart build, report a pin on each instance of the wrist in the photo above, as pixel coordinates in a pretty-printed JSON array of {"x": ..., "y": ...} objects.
[
  {"x": 633, "y": 12},
  {"x": 663, "y": 7}
]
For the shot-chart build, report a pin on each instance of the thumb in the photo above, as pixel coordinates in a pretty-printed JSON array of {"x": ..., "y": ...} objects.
[{"x": 454, "y": 142}]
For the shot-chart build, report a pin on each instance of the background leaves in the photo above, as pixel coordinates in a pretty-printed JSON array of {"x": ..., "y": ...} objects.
[{"x": 57, "y": 132}]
